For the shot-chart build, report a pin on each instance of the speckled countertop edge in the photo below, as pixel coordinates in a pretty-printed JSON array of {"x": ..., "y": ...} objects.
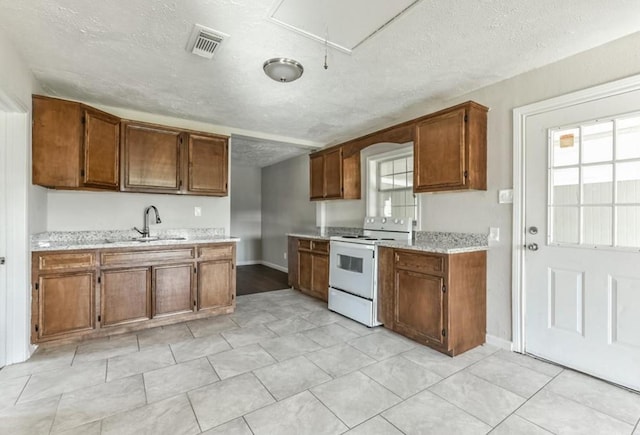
[
  {"x": 326, "y": 233},
  {"x": 426, "y": 241},
  {"x": 77, "y": 240}
]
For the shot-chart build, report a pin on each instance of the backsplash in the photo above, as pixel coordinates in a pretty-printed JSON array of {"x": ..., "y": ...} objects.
[{"x": 338, "y": 231}]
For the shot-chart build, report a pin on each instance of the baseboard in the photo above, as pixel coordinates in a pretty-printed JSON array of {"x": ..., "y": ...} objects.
[
  {"x": 275, "y": 266},
  {"x": 498, "y": 342},
  {"x": 248, "y": 263}
]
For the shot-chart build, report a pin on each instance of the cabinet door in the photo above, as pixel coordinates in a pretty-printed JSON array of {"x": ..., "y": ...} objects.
[
  {"x": 207, "y": 165},
  {"x": 172, "y": 289},
  {"x": 333, "y": 174},
  {"x": 419, "y": 306},
  {"x": 101, "y": 150},
  {"x": 125, "y": 296},
  {"x": 439, "y": 152},
  {"x": 305, "y": 268},
  {"x": 65, "y": 303},
  {"x": 216, "y": 284},
  {"x": 320, "y": 276},
  {"x": 316, "y": 165},
  {"x": 151, "y": 158},
  {"x": 56, "y": 142}
]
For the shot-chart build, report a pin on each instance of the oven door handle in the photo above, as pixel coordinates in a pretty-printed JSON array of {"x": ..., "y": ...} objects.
[{"x": 351, "y": 245}]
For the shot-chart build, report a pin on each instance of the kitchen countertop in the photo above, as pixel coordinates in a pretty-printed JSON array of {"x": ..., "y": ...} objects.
[
  {"x": 327, "y": 233},
  {"x": 73, "y": 240},
  {"x": 425, "y": 241}
]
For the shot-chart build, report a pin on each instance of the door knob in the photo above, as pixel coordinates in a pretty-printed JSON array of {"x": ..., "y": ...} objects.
[
  {"x": 2, "y": 260},
  {"x": 533, "y": 230},
  {"x": 532, "y": 246}
]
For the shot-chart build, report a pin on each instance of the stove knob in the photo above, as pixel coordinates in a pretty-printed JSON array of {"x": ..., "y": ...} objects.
[
  {"x": 401, "y": 221},
  {"x": 383, "y": 220},
  {"x": 395, "y": 221}
]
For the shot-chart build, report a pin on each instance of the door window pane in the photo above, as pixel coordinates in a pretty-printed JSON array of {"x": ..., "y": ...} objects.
[
  {"x": 566, "y": 147},
  {"x": 597, "y": 142},
  {"x": 597, "y": 228},
  {"x": 628, "y": 139},
  {"x": 597, "y": 187},
  {"x": 566, "y": 224},
  {"x": 566, "y": 183},
  {"x": 628, "y": 226},
  {"x": 628, "y": 182},
  {"x": 386, "y": 168}
]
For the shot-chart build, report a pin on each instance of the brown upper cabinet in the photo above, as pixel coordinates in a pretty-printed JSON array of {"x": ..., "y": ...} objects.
[
  {"x": 74, "y": 146},
  {"x": 78, "y": 147},
  {"x": 150, "y": 158},
  {"x": 450, "y": 153},
  {"x": 450, "y": 150},
  {"x": 333, "y": 176},
  {"x": 167, "y": 160},
  {"x": 208, "y": 158}
]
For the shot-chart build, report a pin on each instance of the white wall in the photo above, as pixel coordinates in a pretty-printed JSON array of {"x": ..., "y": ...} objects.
[
  {"x": 78, "y": 211},
  {"x": 17, "y": 83},
  {"x": 83, "y": 210},
  {"x": 246, "y": 212},
  {"x": 285, "y": 206}
]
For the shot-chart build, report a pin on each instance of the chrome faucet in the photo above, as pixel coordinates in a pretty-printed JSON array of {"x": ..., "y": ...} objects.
[{"x": 145, "y": 229}]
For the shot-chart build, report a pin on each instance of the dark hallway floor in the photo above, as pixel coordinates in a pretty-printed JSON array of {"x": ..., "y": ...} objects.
[{"x": 257, "y": 278}]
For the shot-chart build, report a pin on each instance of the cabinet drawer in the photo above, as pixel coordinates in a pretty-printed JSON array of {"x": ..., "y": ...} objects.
[
  {"x": 419, "y": 262},
  {"x": 215, "y": 252},
  {"x": 304, "y": 244},
  {"x": 82, "y": 260},
  {"x": 321, "y": 246},
  {"x": 143, "y": 257}
]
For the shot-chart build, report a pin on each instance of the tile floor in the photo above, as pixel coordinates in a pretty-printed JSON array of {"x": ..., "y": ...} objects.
[{"x": 283, "y": 364}]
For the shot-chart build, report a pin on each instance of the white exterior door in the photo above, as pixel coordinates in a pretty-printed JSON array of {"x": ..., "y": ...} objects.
[
  {"x": 582, "y": 216},
  {"x": 3, "y": 239}
]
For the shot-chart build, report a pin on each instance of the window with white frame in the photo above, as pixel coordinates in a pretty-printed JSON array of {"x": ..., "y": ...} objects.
[
  {"x": 594, "y": 183},
  {"x": 394, "y": 187}
]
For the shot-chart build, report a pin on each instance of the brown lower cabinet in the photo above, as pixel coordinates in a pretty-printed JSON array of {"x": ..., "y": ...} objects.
[
  {"x": 93, "y": 293},
  {"x": 436, "y": 299},
  {"x": 309, "y": 266}
]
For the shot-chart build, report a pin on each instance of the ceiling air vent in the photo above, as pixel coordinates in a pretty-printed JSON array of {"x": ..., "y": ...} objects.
[{"x": 205, "y": 42}]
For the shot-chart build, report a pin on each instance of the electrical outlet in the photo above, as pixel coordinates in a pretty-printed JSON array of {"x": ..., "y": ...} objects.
[
  {"x": 494, "y": 234},
  {"x": 197, "y": 211},
  {"x": 285, "y": 255}
]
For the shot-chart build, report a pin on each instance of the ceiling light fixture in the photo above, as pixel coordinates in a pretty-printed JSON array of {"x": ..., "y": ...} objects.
[{"x": 282, "y": 69}]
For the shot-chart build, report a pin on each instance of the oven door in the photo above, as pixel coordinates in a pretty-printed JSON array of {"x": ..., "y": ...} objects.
[{"x": 352, "y": 268}]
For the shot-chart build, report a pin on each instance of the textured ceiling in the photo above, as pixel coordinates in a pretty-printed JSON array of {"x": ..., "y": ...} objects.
[
  {"x": 249, "y": 151},
  {"x": 131, "y": 54}
]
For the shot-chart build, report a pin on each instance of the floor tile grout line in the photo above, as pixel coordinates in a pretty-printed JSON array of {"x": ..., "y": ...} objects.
[
  {"x": 383, "y": 417},
  {"x": 247, "y": 423},
  {"x": 527, "y": 401},
  {"x": 24, "y": 387},
  {"x": 195, "y": 414},
  {"x": 460, "y": 408},
  {"x": 212, "y": 367},
  {"x": 55, "y": 414},
  {"x": 329, "y": 409}
]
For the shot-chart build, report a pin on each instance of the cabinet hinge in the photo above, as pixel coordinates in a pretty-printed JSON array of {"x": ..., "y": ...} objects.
[
  {"x": 195, "y": 270},
  {"x": 194, "y": 303},
  {"x": 233, "y": 266},
  {"x": 444, "y": 289},
  {"x": 83, "y": 120},
  {"x": 36, "y": 328},
  {"x": 466, "y": 174},
  {"x": 233, "y": 297},
  {"x": 444, "y": 333},
  {"x": 99, "y": 318},
  {"x": 226, "y": 185},
  {"x": 82, "y": 172},
  {"x": 180, "y": 184},
  {"x": 99, "y": 279},
  {"x": 37, "y": 286},
  {"x": 466, "y": 118}
]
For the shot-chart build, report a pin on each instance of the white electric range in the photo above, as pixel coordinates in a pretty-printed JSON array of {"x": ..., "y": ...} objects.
[{"x": 353, "y": 268}]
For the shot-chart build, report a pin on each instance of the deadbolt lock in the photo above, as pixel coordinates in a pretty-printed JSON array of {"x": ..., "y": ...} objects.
[{"x": 533, "y": 230}]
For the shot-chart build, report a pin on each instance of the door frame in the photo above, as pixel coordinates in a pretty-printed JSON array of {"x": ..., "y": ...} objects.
[
  {"x": 520, "y": 117},
  {"x": 16, "y": 303}
]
